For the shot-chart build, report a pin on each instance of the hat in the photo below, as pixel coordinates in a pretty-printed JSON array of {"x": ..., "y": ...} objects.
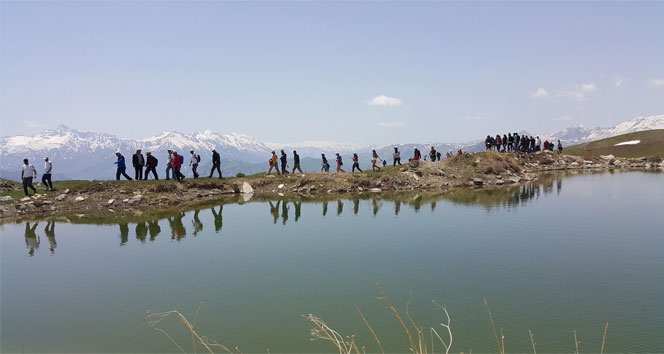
[
  {"x": 45, "y": 157},
  {"x": 192, "y": 151},
  {"x": 148, "y": 153}
]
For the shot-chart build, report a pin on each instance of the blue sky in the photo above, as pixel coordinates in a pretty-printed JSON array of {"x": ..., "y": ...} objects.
[{"x": 294, "y": 71}]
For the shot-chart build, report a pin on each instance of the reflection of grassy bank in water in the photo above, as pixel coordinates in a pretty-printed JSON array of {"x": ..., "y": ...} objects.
[{"x": 416, "y": 337}]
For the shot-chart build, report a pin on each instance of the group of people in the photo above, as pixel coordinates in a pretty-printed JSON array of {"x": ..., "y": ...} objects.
[
  {"x": 376, "y": 161},
  {"x": 513, "y": 142},
  {"x": 29, "y": 172},
  {"x": 144, "y": 165}
]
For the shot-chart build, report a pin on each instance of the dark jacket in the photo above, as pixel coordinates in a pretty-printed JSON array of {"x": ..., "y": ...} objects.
[
  {"x": 152, "y": 161},
  {"x": 296, "y": 158},
  {"x": 216, "y": 159},
  {"x": 135, "y": 160}
]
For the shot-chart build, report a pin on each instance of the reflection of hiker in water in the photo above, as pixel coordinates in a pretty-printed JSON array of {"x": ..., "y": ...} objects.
[
  {"x": 218, "y": 219},
  {"x": 559, "y": 184},
  {"x": 340, "y": 207},
  {"x": 141, "y": 231},
  {"x": 397, "y": 207},
  {"x": 356, "y": 206},
  {"x": 284, "y": 212},
  {"x": 31, "y": 239},
  {"x": 433, "y": 206},
  {"x": 124, "y": 233},
  {"x": 198, "y": 225},
  {"x": 49, "y": 230},
  {"x": 154, "y": 228},
  {"x": 376, "y": 206},
  {"x": 298, "y": 210},
  {"x": 324, "y": 208},
  {"x": 274, "y": 210},
  {"x": 177, "y": 228}
]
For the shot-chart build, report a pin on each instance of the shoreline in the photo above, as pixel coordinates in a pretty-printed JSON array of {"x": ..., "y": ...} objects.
[{"x": 468, "y": 171}]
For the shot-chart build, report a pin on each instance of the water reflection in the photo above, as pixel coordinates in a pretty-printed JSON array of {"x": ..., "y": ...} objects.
[{"x": 488, "y": 198}]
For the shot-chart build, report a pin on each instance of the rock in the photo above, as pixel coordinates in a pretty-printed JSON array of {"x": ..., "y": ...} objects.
[
  {"x": 47, "y": 202},
  {"x": 25, "y": 199},
  {"x": 6, "y": 199},
  {"x": 360, "y": 189},
  {"x": 280, "y": 186},
  {"x": 135, "y": 199},
  {"x": 67, "y": 191},
  {"x": 247, "y": 188},
  {"x": 587, "y": 162},
  {"x": 270, "y": 176},
  {"x": 375, "y": 190},
  {"x": 61, "y": 197},
  {"x": 281, "y": 194},
  {"x": 80, "y": 198},
  {"x": 500, "y": 182},
  {"x": 607, "y": 157},
  {"x": 110, "y": 201},
  {"x": 126, "y": 200},
  {"x": 515, "y": 179},
  {"x": 414, "y": 164},
  {"x": 574, "y": 164},
  {"x": 478, "y": 181}
]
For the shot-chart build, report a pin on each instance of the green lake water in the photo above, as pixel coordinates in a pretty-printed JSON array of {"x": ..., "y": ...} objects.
[{"x": 566, "y": 253}]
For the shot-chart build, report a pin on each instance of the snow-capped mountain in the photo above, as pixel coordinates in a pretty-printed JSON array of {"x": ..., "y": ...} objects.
[{"x": 580, "y": 134}]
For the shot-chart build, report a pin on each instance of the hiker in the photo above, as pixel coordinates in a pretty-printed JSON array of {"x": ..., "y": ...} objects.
[
  {"x": 356, "y": 163},
  {"x": 177, "y": 164},
  {"x": 122, "y": 167},
  {"x": 532, "y": 144},
  {"x": 560, "y": 147},
  {"x": 284, "y": 162},
  {"x": 416, "y": 155},
  {"x": 194, "y": 160},
  {"x": 538, "y": 144},
  {"x": 273, "y": 164},
  {"x": 432, "y": 154},
  {"x": 487, "y": 143},
  {"x": 216, "y": 163},
  {"x": 296, "y": 162},
  {"x": 546, "y": 145},
  {"x": 169, "y": 165},
  {"x": 27, "y": 174},
  {"x": 396, "y": 156},
  {"x": 438, "y": 155},
  {"x": 138, "y": 162},
  {"x": 151, "y": 164},
  {"x": 459, "y": 152},
  {"x": 375, "y": 158},
  {"x": 499, "y": 142},
  {"x": 339, "y": 163},
  {"x": 517, "y": 140},
  {"x": 504, "y": 142},
  {"x": 324, "y": 165},
  {"x": 510, "y": 142},
  {"x": 46, "y": 177}
]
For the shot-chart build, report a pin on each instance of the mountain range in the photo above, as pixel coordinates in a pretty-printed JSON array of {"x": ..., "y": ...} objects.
[{"x": 90, "y": 155}]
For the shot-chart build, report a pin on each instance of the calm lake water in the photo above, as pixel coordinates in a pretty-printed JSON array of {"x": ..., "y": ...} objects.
[{"x": 566, "y": 253}]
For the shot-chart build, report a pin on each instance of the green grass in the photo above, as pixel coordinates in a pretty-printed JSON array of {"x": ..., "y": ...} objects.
[{"x": 651, "y": 145}]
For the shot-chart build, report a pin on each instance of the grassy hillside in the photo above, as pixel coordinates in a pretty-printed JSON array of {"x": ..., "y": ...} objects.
[{"x": 652, "y": 144}]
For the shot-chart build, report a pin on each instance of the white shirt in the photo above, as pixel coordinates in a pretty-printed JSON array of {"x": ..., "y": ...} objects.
[
  {"x": 47, "y": 167},
  {"x": 29, "y": 171},
  {"x": 193, "y": 160},
  {"x": 539, "y": 142}
]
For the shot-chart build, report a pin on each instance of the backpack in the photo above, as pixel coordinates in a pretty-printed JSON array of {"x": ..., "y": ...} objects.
[
  {"x": 198, "y": 158},
  {"x": 156, "y": 161},
  {"x": 181, "y": 159}
]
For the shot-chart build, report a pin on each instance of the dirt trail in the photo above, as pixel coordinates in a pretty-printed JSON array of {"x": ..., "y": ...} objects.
[{"x": 479, "y": 170}]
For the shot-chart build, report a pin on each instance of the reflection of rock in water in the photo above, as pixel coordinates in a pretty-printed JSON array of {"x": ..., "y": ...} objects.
[
  {"x": 31, "y": 239},
  {"x": 154, "y": 229},
  {"x": 49, "y": 231},
  {"x": 218, "y": 219}
]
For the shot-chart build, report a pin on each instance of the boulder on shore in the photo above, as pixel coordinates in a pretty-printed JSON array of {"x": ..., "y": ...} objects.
[{"x": 247, "y": 188}]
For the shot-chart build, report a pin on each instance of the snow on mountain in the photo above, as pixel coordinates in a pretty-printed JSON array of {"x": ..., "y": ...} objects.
[{"x": 580, "y": 134}]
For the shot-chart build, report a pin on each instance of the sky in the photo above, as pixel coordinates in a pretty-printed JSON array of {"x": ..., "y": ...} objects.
[{"x": 361, "y": 72}]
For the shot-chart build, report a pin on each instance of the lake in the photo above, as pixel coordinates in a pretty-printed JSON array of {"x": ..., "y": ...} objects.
[{"x": 570, "y": 252}]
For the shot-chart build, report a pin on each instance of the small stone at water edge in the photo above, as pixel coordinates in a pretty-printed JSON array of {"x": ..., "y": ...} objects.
[
  {"x": 111, "y": 201},
  {"x": 67, "y": 191},
  {"x": 280, "y": 186},
  {"x": 79, "y": 198}
]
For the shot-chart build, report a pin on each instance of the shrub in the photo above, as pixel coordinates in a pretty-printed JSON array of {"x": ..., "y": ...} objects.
[{"x": 240, "y": 174}]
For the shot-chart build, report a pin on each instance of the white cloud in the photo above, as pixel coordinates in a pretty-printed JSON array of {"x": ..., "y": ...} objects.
[
  {"x": 476, "y": 118},
  {"x": 564, "y": 119},
  {"x": 657, "y": 83},
  {"x": 390, "y": 124},
  {"x": 383, "y": 100},
  {"x": 578, "y": 92},
  {"x": 540, "y": 93},
  {"x": 619, "y": 81},
  {"x": 32, "y": 125}
]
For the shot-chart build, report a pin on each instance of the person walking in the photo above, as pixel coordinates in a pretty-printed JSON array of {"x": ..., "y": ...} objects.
[
  {"x": 339, "y": 163},
  {"x": 122, "y": 167},
  {"x": 296, "y": 162},
  {"x": 216, "y": 163},
  {"x": 432, "y": 154},
  {"x": 324, "y": 165},
  {"x": 194, "y": 160},
  {"x": 151, "y": 164},
  {"x": 396, "y": 157},
  {"x": 177, "y": 164},
  {"x": 46, "y": 177},
  {"x": 284, "y": 162},
  {"x": 374, "y": 159},
  {"x": 138, "y": 162},
  {"x": 356, "y": 163},
  {"x": 538, "y": 144},
  {"x": 169, "y": 165},
  {"x": 27, "y": 174},
  {"x": 273, "y": 164},
  {"x": 560, "y": 147}
]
